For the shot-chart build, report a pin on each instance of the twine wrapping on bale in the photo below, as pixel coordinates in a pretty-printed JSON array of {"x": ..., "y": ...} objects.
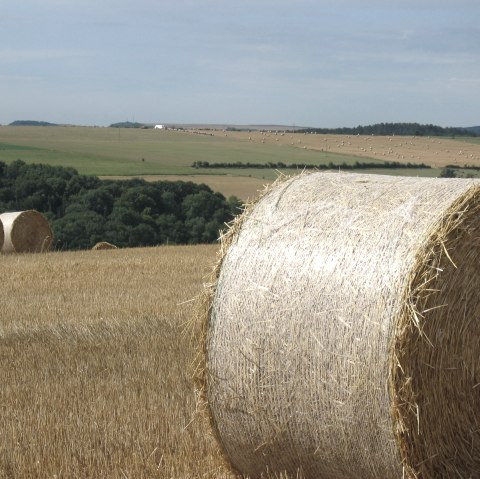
[
  {"x": 342, "y": 333},
  {"x": 26, "y": 232},
  {"x": 104, "y": 245}
]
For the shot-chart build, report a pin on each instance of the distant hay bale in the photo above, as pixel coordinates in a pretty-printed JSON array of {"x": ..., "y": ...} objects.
[
  {"x": 26, "y": 232},
  {"x": 104, "y": 245},
  {"x": 342, "y": 336}
]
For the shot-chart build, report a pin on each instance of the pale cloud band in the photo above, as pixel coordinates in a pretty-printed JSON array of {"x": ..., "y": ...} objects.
[{"x": 320, "y": 63}]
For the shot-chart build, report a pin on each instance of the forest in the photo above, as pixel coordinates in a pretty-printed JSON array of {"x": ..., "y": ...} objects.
[{"x": 84, "y": 210}]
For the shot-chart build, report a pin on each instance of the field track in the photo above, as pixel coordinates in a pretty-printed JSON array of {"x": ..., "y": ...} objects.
[{"x": 96, "y": 378}]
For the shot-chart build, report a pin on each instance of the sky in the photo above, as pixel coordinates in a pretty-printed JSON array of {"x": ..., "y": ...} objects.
[{"x": 319, "y": 63}]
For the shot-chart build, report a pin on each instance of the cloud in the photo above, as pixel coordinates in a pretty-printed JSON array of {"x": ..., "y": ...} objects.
[
  {"x": 465, "y": 82},
  {"x": 17, "y": 78},
  {"x": 10, "y": 55},
  {"x": 311, "y": 59}
]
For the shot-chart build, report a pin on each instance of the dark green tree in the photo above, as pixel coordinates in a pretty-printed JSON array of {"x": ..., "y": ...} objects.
[
  {"x": 84, "y": 210},
  {"x": 447, "y": 173}
]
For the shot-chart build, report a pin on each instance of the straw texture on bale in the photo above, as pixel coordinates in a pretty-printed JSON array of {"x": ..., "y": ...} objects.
[
  {"x": 104, "y": 245},
  {"x": 342, "y": 335},
  {"x": 26, "y": 232}
]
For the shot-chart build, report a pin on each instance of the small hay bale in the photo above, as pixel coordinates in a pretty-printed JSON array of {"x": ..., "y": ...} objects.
[
  {"x": 26, "y": 232},
  {"x": 104, "y": 245},
  {"x": 342, "y": 334}
]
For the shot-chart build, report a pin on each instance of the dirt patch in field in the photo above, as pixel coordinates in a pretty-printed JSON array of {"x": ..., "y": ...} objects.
[{"x": 242, "y": 187}]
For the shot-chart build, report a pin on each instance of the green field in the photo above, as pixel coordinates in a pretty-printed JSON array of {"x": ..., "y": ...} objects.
[
  {"x": 136, "y": 152},
  {"x": 469, "y": 139},
  {"x": 112, "y": 151}
]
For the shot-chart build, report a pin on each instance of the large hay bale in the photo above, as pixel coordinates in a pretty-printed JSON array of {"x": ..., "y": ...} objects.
[
  {"x": 343, "y": 337},
  {"x": 26, "y": 232}
]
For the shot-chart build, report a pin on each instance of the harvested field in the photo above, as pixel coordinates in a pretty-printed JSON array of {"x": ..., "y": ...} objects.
[
  {"x": 242, "y": 187},
  {"x": 127, "y": 152},
  {"x": 120, "y": 151},
  {"x": 94, "y": 367},
  {"x": 433, "y": 151}
]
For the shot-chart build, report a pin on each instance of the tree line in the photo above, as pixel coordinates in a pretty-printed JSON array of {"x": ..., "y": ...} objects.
[
  {"x": 84, "y": 210},
  {"x": 358, "y": 165},
  {"x": 389, "y": 129}
]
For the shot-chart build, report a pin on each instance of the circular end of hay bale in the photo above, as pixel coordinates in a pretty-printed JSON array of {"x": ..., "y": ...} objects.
[
  {"x": 341, "y": 336},
  {"x": 26, "y": 232},
  {"x": 104, "y": 245},
  {"x": 434, "y": 359}
]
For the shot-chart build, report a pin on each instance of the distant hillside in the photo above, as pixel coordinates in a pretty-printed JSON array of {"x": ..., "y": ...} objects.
[
  {"x": 399, "y": 129},
  {"x": 32, "y": 123},
  {"x": 473, "y": 129}
]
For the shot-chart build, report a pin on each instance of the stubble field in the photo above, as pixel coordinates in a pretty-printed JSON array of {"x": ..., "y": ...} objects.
[
  {"x": 243, "y": 187},
  {"x": 96, "y": 366},
  {"x": 96, "y": 377},
  {"x": 434, "y": 151}
]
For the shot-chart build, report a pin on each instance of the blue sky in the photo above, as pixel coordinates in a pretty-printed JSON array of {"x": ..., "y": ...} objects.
[{"x": 303, "y": 62}]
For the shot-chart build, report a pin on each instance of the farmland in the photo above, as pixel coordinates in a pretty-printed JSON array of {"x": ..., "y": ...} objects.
[
  {"x": 96, "y": 365},
  {"x": 243, "y": 187},
  {"x": 154, "y": 154},
  {"x": 116, "y": 151},
  {"x": 434, "y": 151},
  {"x": 97, "y": 346}
]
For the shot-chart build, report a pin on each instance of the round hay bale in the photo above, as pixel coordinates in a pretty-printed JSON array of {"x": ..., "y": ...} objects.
[
  {"x": 104, "y": 245},
  {"x": 342, "y": 336},
  {"x": 26, "y": 232}
]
